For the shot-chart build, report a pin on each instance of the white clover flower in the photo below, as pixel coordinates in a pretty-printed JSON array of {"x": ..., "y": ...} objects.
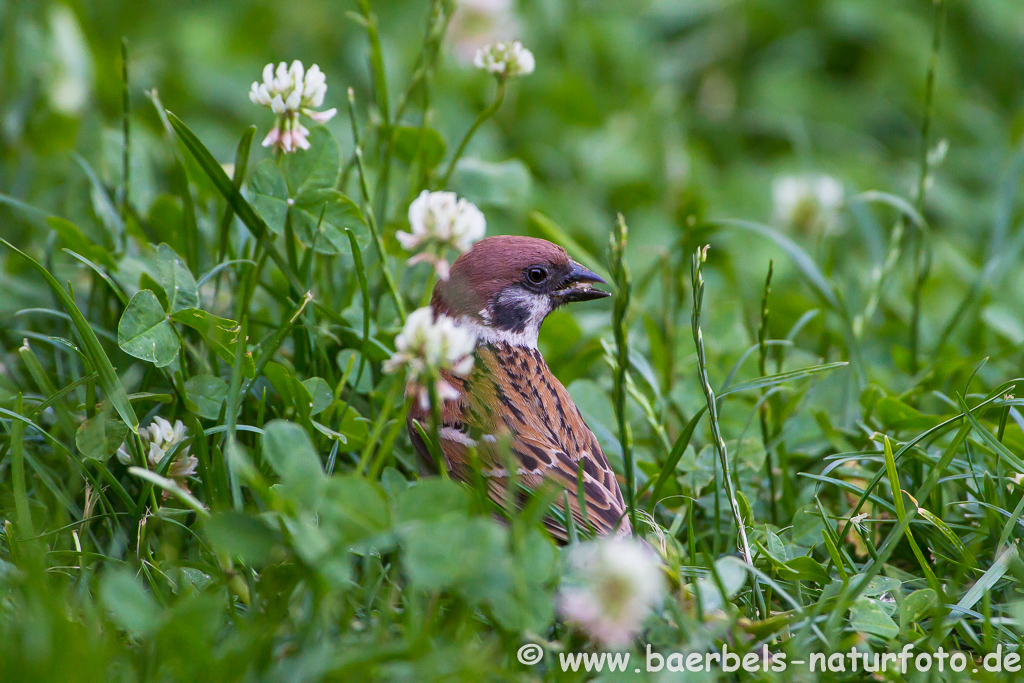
[
  {"x": 290, "y": 91},
  {"x": 808, "y": 203},
  {"x": 440, "y": 220},
  {"x": 158, "y": 439},
  {"x": 477, "y": 23},
  {"x": 428, "y": 345},
  {"x": 505, "y": 59},
  {"x": 612, "y": 586}
]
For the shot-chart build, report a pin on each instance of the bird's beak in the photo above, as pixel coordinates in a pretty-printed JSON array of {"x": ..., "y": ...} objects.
[{"x": 578, "y": 285}]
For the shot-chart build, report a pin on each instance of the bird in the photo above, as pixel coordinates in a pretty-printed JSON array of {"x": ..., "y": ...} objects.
[{"x": 501, "y": 290}]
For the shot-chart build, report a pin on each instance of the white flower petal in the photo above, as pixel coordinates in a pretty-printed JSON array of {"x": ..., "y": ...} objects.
[
  {"x": 525, "y": 60},
  {"x": 323, "y": 116},
  {"x": 407, "y": 240},
  {"x": 463, "y": 367},
  {"x": 272, "y": 137},
  {"x": 155, "y": 454},
  {"x": 179, "y": 431},
  {"x": 317, "y": 98},
  {"x": 446, "y": 392},
  {"x": 164, "y": 428},
  {"x": 184, "y": 466}
]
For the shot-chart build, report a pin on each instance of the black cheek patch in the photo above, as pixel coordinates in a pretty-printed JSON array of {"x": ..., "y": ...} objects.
[{"x": 510, "y": 316}]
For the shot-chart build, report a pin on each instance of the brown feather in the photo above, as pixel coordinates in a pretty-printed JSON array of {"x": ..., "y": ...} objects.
[{"x": 512, "y": 394}]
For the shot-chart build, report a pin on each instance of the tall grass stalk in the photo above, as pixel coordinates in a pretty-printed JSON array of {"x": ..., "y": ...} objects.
[
  {"x": 921, "y": 251},
  {"x": 371, "y": 221},
  {"x": 697, "y": 278},
  {"x": 437, "y": 25},
  {"x": 620, "y": 274},
  {"x": 437, "y": 22},
  {"x": 762, "y": 368},
  {"x": 380, "y": 86},
  {"x": 126, "y": 108}
]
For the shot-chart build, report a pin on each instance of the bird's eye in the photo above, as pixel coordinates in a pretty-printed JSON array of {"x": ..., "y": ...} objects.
[{"x": 537, "y": 275}]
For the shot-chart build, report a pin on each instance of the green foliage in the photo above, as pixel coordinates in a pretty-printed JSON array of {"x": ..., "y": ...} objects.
[
  {"x": 100, "y": 436},
  {"x": 145, "y": 331},
  {"x": 852, "y": 419},
  {"x": 414, "y": 145}
]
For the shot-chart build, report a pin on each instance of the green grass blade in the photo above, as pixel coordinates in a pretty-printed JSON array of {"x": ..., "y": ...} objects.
[
  {"x": 782, "y": 378},
  {"x": 803, "y": 261},
  {"x": 234, "y": 197},
  {"x": 990, "y": 439},
  {"x": 238, "y": 177},
  {"x": 901, "y": 513},
  {"x": 171, "y": 487},
  {"x": 987, "y": 581},
  {"x": 948, "y": 533},
  {"x": 24, "y": 515},
  {"x": 109, "y": 381},
  {"x": 678, "y": 448}
]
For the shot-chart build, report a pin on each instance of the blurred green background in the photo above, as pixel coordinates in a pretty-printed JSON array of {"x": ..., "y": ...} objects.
[{"x": 671, "y": 112}]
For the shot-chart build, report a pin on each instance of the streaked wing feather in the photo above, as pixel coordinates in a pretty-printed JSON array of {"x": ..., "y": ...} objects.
[{"x": 512, "y": 391}]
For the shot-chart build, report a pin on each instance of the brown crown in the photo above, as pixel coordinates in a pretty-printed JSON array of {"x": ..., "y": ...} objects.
[{"x": 492, "y": 264}]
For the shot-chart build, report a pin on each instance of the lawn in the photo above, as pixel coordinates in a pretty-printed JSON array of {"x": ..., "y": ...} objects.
[{"x": 810, "y": 219}]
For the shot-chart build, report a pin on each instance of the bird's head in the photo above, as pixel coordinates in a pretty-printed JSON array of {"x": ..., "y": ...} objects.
[{"x": 505, "y": 286}]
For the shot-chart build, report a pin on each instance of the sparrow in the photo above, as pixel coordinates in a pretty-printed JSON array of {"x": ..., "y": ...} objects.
[{"x": 502, "y": 290}]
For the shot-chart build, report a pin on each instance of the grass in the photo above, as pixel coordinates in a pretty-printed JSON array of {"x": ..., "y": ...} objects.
[{"x": 833, "y": 462}]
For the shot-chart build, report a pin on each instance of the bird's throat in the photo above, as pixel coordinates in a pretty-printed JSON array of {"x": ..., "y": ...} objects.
[{"x": 526, "y": 337}]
